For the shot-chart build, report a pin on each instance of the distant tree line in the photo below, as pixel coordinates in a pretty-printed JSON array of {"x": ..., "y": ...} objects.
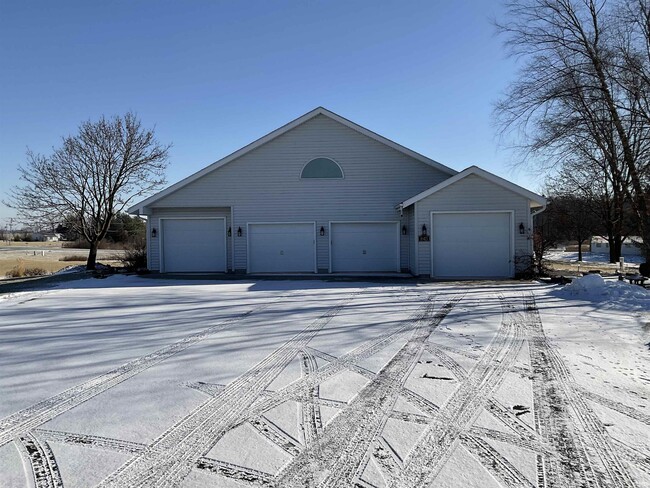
[
  {"x": 123, "y": 229},
  {"x": 575, "y": 218},
  {"x": 580, "y": 111}
]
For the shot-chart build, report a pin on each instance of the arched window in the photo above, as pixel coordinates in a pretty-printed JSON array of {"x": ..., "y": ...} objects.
[{"x": 322, "y": 168}]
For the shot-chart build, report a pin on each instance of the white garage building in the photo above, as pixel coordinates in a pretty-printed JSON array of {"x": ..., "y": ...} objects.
[{"x": 325, "y": 195}]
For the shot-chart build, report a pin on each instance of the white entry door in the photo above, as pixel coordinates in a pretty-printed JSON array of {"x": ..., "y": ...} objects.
[
  {"x": 281, "y": 248},
  {"x": 364, "y": 247},
  {"x": 471, "y": 245},
  {"x": 193, "y": 245}
]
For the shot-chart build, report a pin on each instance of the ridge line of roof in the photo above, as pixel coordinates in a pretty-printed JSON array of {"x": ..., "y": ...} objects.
[
  {"x": 479, "y": 172},
  {"x": 320, "y": 110}
]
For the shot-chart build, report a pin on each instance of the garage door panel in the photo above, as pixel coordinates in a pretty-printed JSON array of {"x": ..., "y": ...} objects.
[
  {"x": 364, "y": 247},
  {"x": 471, "y": 245},
  {"x": 193, "y": 245},
  {"x": 281, "y": 248}
]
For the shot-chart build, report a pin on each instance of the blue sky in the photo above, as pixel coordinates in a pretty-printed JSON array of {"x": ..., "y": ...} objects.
[{"x": 212, "y": 76}]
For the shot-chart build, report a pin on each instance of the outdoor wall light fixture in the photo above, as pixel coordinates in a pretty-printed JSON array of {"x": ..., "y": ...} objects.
[
  {"x": 522, "y": 228},
  {"x": 239, "y": 232},
  {"x": 229, "y": 231},
  {"x": 424, "y": 236},
  {"x": 404, "y": 230},
  {"x": 154, "y": 232},
  {"x": 322, "y": 230}
]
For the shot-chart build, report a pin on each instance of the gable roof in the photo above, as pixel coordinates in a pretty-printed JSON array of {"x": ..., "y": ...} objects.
[
  {"x": 137, "y": 208},
  {"x": 475, "y": 170}
]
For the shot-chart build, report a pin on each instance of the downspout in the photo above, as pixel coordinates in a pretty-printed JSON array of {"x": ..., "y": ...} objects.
[{"x": 532, "y": 223}]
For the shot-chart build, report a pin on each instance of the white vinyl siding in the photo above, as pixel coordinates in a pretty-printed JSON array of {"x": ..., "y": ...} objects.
[
  {"x": 472, "y": 193},
  {"x": 192, "y": 245},
  {"x": 281, "y": 248},
  {"x": 365, "y": 247},
  {"x": 409, "y": 215},
  {"x": 264, "y": 185}
]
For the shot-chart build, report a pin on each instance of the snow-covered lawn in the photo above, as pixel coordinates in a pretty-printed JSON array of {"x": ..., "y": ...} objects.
[
  {"x": 128, "y": 382},
  {"x": 591, "y": 258}
]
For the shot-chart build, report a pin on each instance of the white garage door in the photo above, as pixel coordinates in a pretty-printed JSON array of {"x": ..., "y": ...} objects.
[
  {"x": 193, "y": 245},
  {"x": 281, "y": 248},
  {"x": 367, "y": 246},
  {"x": 471, "y": 245}
]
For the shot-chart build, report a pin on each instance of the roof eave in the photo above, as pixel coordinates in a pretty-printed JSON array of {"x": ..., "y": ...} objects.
[{"x": 475, "y": 170}]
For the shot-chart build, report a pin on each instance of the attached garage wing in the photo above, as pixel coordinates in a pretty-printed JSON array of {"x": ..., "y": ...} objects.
[
  {"x": 364, "y": 247},
  {"x": 193, "y": 245},
  {"x": 281, "y": 248},
  {"x": 471, "y": 245}
]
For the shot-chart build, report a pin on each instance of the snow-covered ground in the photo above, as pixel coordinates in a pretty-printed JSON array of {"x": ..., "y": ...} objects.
[
  {"x": 127, "y": 382},
  {"x": 591, "y": 258}
]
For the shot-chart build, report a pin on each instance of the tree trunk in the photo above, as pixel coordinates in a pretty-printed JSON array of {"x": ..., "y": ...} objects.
[
  {"x": 580, "y": 241},
  {"x": 92, "y": 256},
  {"x": 610, "y": 243},
  {"x": 617, "y": 248}
]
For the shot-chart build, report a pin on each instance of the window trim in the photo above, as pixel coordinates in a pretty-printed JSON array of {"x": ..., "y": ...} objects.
[{"x": 342, "y": 177}]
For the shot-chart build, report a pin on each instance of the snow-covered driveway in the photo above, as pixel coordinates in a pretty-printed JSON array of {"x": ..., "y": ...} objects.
[{"x": 128, "y": 382}]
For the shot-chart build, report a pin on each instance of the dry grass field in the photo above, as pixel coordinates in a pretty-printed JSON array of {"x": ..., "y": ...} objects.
[{"x": 49, "y": 256}]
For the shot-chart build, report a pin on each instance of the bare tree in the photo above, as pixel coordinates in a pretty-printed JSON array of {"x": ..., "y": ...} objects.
[
  {"x": 574, "y": 218},
  {"x": 576, "y": 89},
  {"x": 546, "y": 236},
  {"x": 91, "y": 177},
  {"x": 605, "y": 201}
]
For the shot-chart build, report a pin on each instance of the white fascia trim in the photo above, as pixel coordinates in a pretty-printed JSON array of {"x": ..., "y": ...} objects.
[
  {"x": 387, "y": 142},
  {"x": 475, "y": 170},
  {"x": 139, "y": 208}
]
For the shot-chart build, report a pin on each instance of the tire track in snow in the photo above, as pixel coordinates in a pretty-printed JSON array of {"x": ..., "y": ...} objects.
[
  {"x": 241, "y": 474},
  {"x": 420, "y": 402},
  {"x": 632, "y": 455},
  {"x": 495, "y": 463},
  {"x": 91, "y": 441},
  {"x": 614, "y": 405},
  {"x": 352, "y": 367},
  {"x": 435, "y": 446},
  {"x": 521, "y": 370},
  {"x": 276, "y": 435},
  {"x": 386, "y": 458},
  {"x": 311, "y": 420},
  {"x": 413, "y": 418},
  {"x": 170, "y": 458},
  {"x": 295, "y": 390},
  {"x": 40, "y": 458},
  {"x": 497, "y": 409},
  {"x": 222, "y": 468},
  {"x": 526, "y": 437},
  {"x": 31, "y": 417},
  {"x": 344, "y": 444},
  {"x": 585, "y": 454},
  {"x": 505, "y": 415}
]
